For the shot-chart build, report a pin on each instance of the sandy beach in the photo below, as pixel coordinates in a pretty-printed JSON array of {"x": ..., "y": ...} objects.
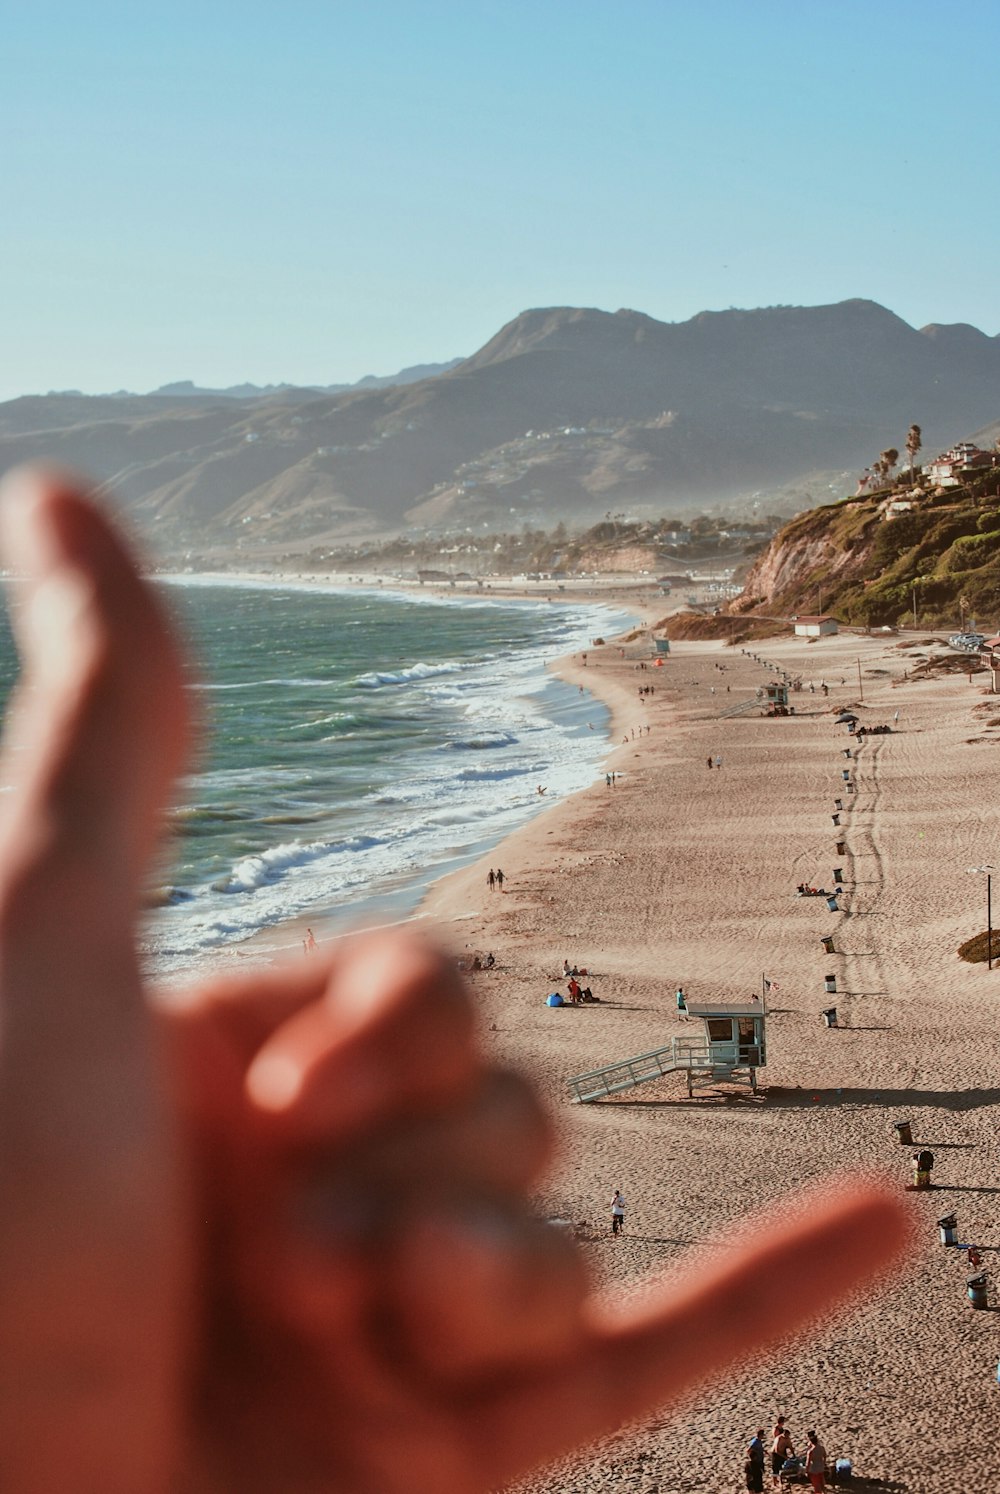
[{"x": 680, "y": 874}]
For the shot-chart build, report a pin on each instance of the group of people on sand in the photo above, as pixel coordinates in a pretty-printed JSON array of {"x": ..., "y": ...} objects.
[
  {"x": 785, "y": 1463},
  {"x": 486, "y": 963},
  {"x": 577, "y": 993},
  {"x": 804, "y": 890}
]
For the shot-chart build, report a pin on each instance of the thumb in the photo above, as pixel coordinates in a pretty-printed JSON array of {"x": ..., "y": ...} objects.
[
  {"x": 92, "y": 1272},
  {"x": 99, "y": 721}
]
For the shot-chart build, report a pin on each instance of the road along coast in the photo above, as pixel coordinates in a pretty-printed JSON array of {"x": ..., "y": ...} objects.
[{"x": 681, "y": 874}]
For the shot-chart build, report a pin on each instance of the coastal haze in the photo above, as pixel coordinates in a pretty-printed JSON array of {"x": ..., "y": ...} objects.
[{"x": 565, "y": 414}]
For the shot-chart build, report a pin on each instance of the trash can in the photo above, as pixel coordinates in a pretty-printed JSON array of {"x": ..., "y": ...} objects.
[
  {"x": 975, "y": 1286},
  {"x": 830, "y": 1016},
  {"x": 838, "y": 804},
  {"x": 835, "y": 818},
  {"x": 838, "y": 875},
  {"x": 832, "y": 903},
  {"x": 830, "y": 984},
  {"x": 948, "y": 1227},
  {"x": 847, "y": 751},
  {"x": 845, "y": 774},
  {"x": 904, "y": 1132},
  {"x": 841, "y": 847},
  {"x": 827, "y": 940},
  {"x": 843, "y": 1471}
]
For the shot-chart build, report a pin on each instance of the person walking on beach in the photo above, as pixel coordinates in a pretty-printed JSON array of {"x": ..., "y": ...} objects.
[
  {"x": 718, "y": 760},
  {"x": 781, "y": 1449},
  {"x": 491, "y": 879},
  {"x": 500, "y": 879},
  {"x": 681, "y": 1000},
  {"x": 816, "y": 1462},
  {"x": 709, "y": 760},
  {"x": 618, "y": 1213},
  {"x": 309, "y": 942}
]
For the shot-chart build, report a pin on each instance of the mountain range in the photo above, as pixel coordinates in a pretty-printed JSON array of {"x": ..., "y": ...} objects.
[{"x": 565, "y": 414}]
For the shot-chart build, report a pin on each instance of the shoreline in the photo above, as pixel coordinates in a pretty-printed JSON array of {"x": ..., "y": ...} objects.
[
  {"x": 685, "y": 875},
  {"x": 403, "y": 899}
]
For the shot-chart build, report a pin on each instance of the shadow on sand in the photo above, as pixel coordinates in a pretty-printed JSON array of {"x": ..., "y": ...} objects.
[{"x": 945, "y": 1099}]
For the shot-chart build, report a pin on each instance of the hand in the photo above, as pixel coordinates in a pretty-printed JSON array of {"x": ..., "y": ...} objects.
[{"x": 275, "y": 1236}]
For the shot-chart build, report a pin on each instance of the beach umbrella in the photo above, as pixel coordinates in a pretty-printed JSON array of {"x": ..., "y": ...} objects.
[{"x": 846, "y": 716}]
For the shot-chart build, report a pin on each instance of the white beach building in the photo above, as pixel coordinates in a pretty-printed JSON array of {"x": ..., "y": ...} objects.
[{"x": 815, "y": 627}]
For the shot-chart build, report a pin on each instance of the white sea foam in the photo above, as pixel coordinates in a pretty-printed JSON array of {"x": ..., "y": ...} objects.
[{"x": 454, "y": 792}]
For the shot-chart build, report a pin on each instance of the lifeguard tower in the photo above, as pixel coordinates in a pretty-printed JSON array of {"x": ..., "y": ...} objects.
[
  {"x": 731, "y": 1049},
  {"x": 776, "y": 696}
]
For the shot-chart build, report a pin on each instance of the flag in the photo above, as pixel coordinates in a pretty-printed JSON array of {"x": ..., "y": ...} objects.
[{"x": 770, "y": 985}]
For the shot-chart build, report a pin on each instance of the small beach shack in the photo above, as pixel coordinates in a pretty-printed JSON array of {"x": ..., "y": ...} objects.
[
  {"x": 776, "y": 695},
  {"x": 815, "y": 627},
  {"x": 735, "y": 1037}
]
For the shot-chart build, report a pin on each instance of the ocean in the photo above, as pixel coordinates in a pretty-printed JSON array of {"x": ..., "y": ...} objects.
[{"x": 357, "y": 745}]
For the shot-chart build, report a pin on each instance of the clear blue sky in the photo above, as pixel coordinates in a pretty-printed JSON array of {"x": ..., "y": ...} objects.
[{"x": 315, "y": 190}]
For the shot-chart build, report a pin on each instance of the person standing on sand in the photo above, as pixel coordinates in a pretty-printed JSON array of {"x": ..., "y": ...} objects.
[
  {"x": 816, "y": 1462},
  {"x": 781, "y": 1449},
  {"x": 500, "y": 879},
  {"x": 718, "y": 760},
  {"x": 491, "y": 879},
  {"x": 755, "y": 1462},
  {"x": 709, "y": 760},
  {"x": 618, "y": 1213},
  {"x": 309, "y": 942}
]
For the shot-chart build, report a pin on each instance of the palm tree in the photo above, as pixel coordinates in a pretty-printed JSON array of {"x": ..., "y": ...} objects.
[
  {"x": 913, "y": 444},
  {"x": 888, "y": 460}
]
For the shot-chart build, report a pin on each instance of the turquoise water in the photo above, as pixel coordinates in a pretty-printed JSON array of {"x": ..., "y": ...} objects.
[{"x": 358, "y": 744}]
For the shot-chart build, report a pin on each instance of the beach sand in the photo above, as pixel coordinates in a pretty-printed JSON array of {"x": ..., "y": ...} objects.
[{"x": 684, "y": 875}]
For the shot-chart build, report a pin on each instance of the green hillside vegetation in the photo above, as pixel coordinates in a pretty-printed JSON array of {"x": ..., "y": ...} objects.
[{"x": 939, "y": 562}]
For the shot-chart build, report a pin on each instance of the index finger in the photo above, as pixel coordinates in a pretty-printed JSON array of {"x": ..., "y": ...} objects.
[{"x": 759, "y": 1292}]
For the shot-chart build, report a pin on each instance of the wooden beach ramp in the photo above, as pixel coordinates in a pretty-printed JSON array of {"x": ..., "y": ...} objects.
[{"x": 732, "y": 1047}]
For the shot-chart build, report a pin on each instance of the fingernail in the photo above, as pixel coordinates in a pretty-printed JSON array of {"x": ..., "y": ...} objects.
[
  {"x": 348, "y": 1094},
  {"x": 274, "y": 1081}
]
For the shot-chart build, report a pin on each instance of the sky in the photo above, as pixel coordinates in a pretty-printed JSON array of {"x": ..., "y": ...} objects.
[{"x": 322, "y": 189}]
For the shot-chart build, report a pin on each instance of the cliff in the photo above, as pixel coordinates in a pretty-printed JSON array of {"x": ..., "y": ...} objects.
[{"x": 939, "y": 561}]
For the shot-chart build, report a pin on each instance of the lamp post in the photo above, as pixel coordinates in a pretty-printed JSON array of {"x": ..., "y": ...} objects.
[{"x": 987, "y": 867}]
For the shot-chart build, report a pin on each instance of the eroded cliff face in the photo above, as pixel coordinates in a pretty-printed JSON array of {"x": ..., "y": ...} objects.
[{"x": 808, "y": 554}]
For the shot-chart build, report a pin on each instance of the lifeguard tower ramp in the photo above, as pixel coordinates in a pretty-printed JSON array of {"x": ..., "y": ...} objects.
[
  {"x": 731, "y": 1048},
  {"x": 740, "y": 708}
]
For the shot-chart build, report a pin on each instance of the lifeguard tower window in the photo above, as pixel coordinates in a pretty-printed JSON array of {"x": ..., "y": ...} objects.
[
  {"x": 748, "y": 1036},
  {"x": 720, "y": 1029}
]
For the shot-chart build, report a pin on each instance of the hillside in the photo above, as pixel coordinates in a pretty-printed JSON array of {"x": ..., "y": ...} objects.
[
  {"x": 937, "y": 564},
  {"x": 566, "y": 414}
]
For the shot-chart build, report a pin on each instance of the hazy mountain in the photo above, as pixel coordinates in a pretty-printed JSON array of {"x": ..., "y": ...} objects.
[
  {"x": 565, "y": 413},
  {"x": 187, "y": 389}
]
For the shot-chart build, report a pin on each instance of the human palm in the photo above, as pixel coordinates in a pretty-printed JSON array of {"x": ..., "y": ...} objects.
[{"x": 274, "y": 1235}]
